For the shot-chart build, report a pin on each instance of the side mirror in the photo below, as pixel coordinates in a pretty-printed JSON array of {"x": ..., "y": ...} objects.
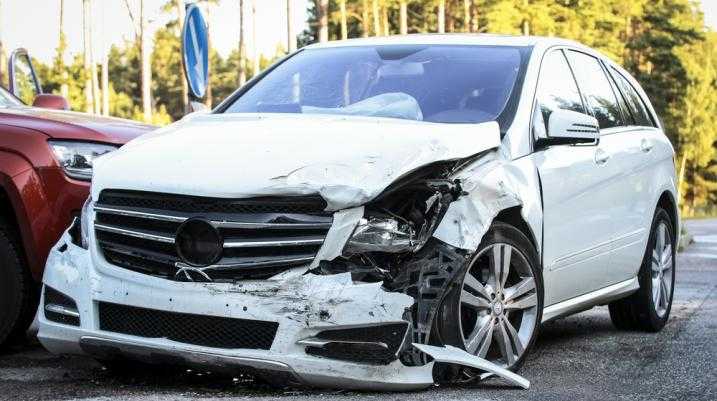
[
  {"x": 47, "y": 101},
  {"x": 23, "y": 81},
  {"x": 571, "y": 127}
]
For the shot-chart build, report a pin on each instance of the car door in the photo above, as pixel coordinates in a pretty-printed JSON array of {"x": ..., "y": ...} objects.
[
  {"x": 623, "y": 141},
  {"x": 638, "y": 146},
  {"x": 576, "y": 206}
]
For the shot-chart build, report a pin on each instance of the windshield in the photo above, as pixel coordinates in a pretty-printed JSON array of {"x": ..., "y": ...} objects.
[
  {"x": 7, "y": 99},
  {"x": 435, "y": 83}
]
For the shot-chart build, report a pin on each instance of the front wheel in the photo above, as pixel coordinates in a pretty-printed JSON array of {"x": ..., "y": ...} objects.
[
  {"x": 495, "y": 310},
  {"x": 17, "y": 291}
]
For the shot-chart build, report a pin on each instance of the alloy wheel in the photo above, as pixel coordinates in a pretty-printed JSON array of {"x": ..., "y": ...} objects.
[
  {"x": 498, "y": 305},
  {"x": 662, "y": 265}
]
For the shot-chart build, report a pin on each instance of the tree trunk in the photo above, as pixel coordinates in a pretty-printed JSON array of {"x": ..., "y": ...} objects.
[
  {"x": 466, "y": 15},
  {"x": 255, "y": 49},
  {"x": 87, "y": 44},
  {"x": 365, "y": 24},
  {"x": 526, "y": 23},
  {"x": 384, "y": 20},
  {"x": 376, "y": 19},
  {"x": 93, "y": 68},
  {"x": 146, "y": 73},
  {"x": 475, "y": 23},
  {"x": 344, "y": 24},
  {"x": 441, "y": 16},
  {"x": 290, "y": 33},
  {"x": 181, "y": 14},
  {"x": 403, "y": 11},
  {"x": 242, "y": 44},
  {"x": 105, "y": 85},
  {"x": 105, "y": 71},
  {"x": 322, "y": 7},
  {"x": 64, "y": 89}
]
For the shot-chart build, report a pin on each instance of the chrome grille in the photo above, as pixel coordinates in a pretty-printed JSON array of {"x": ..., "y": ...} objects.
[{"x": 262, "y": 236}]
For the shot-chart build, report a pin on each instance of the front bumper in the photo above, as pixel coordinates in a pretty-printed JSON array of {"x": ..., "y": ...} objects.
[{"x": 302, "y": 304}]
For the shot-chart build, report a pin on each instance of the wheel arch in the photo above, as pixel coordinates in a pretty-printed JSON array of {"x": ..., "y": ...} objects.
[
  {"x": 514, "y": 217},
  {"x": 15, "y": 214},
  {"x": 667, "y": 202}
]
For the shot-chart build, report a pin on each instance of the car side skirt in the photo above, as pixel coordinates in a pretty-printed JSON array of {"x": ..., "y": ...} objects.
[{"x": 591, "y": 299}]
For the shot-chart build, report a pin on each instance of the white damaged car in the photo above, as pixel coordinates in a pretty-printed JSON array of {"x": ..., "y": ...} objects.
[{"x": 382, "y": 213}]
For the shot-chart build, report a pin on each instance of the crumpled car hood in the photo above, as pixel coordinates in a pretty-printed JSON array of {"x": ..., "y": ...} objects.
[{"x": 347, "y": 160}]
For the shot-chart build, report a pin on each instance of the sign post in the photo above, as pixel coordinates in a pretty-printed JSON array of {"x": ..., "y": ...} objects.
[{"x": 195, "y": 53}]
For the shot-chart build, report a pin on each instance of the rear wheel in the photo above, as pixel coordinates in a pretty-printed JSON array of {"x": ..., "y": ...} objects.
[
  {"x": 649, "y": 308},
  {"x": 496, "y": 309},
  {"x": 17, "y": 291}
]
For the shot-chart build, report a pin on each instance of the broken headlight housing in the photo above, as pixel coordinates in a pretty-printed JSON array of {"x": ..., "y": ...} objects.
[
  {"x": 403, "y": 219},
  {"x": 85, "y": 223},
  {"x": 381, "y": 234}
]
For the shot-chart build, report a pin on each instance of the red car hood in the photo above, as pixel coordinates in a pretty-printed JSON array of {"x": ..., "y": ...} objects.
[{"x": 71, "y": 125}]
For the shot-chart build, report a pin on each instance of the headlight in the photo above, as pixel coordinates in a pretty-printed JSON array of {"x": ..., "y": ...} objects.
[
  {"x": 381, "y": 234},
  {"x": 76, "y": 157},
  {"x": 85, "y": 223}
]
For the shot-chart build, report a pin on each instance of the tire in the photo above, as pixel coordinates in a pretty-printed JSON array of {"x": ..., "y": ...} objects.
[
  {"x": 640, "y": 311},
  {"x": 17, "y": 290},
  {"x": 458, "y": 319}
]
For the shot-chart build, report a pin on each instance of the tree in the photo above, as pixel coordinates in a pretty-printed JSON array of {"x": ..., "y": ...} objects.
[
  {"x": 441, "y": 16},
  {"x": 376, "y": 23},
  {"x": 323, "y": 15},
  {"x": 143, "y": 43},
  {"x": 344, "y": 27},
  {"x": 403, "y": 16},
  {"x": 697, "y": 127},
  {"x": 59, "y": 63},
  {"x": 290, "y": 34},
  {"x": 180, "y": 9},
  {"x": 365, "y": 24},
  {"x": 146, "y": 75},
  {"x": 96, "y": 101},
  {"x": 87, "y": 46},
  {"x": 254, "y": 39},
  {"x": 241, "y": 62}
]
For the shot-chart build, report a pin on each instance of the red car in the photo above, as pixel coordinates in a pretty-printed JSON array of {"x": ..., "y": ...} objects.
[{"x": 45, "y": 170}]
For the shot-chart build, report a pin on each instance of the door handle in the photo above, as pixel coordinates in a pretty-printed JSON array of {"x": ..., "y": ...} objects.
[
  {"x": 645, "y": 145},
  {"x": 601, "y": 156}
]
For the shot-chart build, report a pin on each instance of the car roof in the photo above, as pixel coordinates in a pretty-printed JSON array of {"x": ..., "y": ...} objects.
[{"x": 478, "y": 39}]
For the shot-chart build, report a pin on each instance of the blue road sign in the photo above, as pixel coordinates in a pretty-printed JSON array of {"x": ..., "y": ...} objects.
[{"x": 195, "y": 51}]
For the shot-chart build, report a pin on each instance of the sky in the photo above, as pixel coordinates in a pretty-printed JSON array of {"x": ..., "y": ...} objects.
[
  {"x": 34, "y": 24},
  {"x": 709, "y": 7}
]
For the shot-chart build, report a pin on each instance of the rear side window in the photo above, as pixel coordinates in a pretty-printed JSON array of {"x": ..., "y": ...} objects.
[
  {"x": 596, "y": 88},
  {"x": 556, "y": 87},
  {"x": 634, "y": 102}
]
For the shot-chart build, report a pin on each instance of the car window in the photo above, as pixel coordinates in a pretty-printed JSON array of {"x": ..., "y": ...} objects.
[
  {"x": 556, "y": 87},
  {"x": 627, "y": 118},
  {"x": 596, "y": 88},
  {"x": 634, "y": 102},
  {"x": 436, "y": 83},
  {"x": 24, "y": 81}
]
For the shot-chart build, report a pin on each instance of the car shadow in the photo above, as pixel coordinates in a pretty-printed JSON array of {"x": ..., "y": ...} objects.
[{"x": 589, "y": 324}]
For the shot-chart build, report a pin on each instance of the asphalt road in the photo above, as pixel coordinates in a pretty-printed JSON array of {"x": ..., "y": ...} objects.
[{"x": 580, "y": 357}]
